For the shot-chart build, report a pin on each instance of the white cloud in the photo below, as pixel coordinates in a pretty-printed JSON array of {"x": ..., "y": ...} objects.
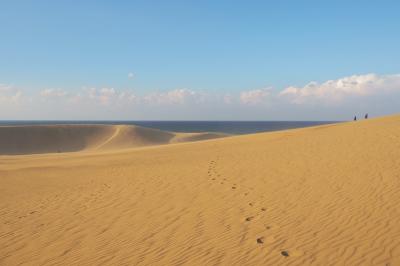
[
  {"x": 105, "y": 96},
  {"x": 92, "y": 95},
  {"x": 333, "y": 99},
  {"x": 335, "y": 91},
  {"x": 177, "y": 96},
  {"x": 47, "y": 93},
  {"x": 128, "y": 96},
  {"x": 131, "y": 75},
  {"x": 9, "y": 94},
  {"x": 254, "y": 97}
]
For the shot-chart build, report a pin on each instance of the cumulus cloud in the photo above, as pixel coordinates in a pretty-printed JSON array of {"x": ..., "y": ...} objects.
[
  {"x": 256, "y": 96},
  {"x": 48, "y": 93},
  {"x": 109, "y": 96},
  {"x": 89, "y": 95},
  {"x": 335, "y": 91},
  {"x": 177, "y": 96},
  {"x": 9, "y": 94},
  {"x": 127, "y": 96},
  {"x": 103, "y": 95},
  {"x": 332, "y": 99}
]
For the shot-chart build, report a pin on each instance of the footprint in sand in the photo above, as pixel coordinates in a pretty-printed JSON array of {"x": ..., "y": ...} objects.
[
  {"x": 248, "y": 219},
  {"x": 271, "y": 226},
  {"x": 291, "y": 253},
  {"x": 268, "y": 240},
  {"x": 233, "y": 187}
]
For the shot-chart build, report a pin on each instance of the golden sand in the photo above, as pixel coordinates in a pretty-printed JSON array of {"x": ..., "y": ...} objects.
[{"x": 326, "y": 195}]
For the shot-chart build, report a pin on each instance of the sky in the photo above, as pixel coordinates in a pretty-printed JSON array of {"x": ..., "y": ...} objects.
[{"x": 198, "y": 60}]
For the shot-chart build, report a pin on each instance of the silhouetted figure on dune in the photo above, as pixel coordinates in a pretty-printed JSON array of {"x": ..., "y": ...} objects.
[
  {"x": 355, "y": 118},
  {"x": 366, "y": 116}
]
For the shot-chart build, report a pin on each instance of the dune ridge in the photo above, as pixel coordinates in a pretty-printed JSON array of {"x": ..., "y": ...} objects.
[
  {"x": 18, "y": 140},
  {"x": 325, "y": 195}
]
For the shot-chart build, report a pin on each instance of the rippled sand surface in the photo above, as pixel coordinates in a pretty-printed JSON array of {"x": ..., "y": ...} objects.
[{"x": 326, "y": 195}]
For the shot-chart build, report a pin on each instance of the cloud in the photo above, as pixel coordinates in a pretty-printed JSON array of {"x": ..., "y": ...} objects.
[
  {"x": 131, "y": 75},
  {"x": 48, "y": 93},
  {"x": 112, "y": 96},
  {"x": 90, "y": 95},
  {"x": 177, "y": 96},
  {"x": 336, "y": 91},
  {"x": 127, "y": 96},
  {"x": 9, "y": 94},
  {"x": 333, "y": 99},
  {"x": 104, "y": 96},
  {"x": 254, "y": 97}
]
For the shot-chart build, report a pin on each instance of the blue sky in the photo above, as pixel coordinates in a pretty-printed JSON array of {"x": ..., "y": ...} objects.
[{"x": 216, "y": 47}]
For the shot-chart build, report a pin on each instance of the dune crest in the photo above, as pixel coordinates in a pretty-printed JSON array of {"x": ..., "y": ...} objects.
[{"x": 17, "y": 140}]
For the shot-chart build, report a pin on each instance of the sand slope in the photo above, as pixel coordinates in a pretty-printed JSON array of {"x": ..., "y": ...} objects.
[
  {"x": 16, "y": 140},
  {"x": 327, "y": 195}
]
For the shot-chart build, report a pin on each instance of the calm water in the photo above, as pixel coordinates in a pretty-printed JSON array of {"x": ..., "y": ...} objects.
[{"x": 230, "y": 127}]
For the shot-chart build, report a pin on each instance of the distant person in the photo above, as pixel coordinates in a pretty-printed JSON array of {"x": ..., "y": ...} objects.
[
  {"x": 366, "y": 116},
  {"x": 355, "y": 118}
]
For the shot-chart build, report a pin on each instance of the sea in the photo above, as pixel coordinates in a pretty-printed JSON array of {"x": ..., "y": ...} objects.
[{"x": 228, "y": 127}]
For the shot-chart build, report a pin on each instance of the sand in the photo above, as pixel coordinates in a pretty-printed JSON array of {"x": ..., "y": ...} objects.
[
  {"x": 18, "y": 140},
  {"x": 326, "y": 195}
]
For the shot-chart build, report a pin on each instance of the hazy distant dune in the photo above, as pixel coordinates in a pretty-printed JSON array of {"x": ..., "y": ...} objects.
[{"x": 16, "y": 140}]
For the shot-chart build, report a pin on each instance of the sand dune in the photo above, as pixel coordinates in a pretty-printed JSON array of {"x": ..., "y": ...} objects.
[
  {"x": 71, "y": 138},
  {"x": 326, "y": 195}
]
